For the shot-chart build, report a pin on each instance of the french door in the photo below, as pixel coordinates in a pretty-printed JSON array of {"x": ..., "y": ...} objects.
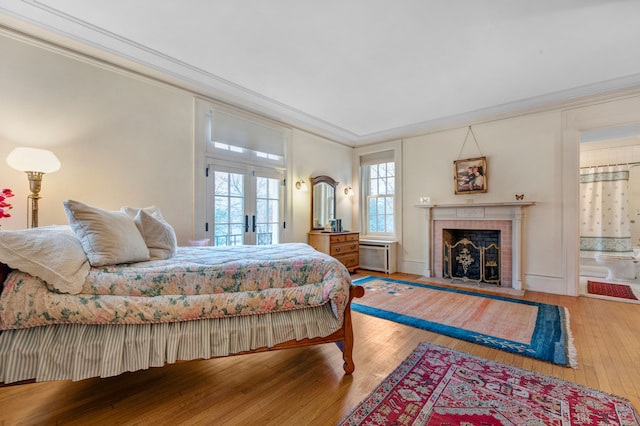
[{"x": 245, "y": 204}]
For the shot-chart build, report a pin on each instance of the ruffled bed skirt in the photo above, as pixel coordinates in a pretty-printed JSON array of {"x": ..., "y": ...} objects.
[{"x": 77, "y": 352}]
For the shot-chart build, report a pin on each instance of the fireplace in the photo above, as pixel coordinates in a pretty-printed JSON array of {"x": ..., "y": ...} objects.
[
  {"x": 471, "y": 255},
  {"x": 480, "y": 231},
  {"x": 501, "y": 261}
]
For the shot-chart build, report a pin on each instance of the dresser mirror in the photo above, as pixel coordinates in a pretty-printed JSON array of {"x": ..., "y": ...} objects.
[{"x": 323, "y": 201}]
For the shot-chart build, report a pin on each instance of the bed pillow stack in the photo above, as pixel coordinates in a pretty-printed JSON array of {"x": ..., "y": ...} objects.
[
  {"x": 107, "y": 237},
  {"x": 61, "y": 256},
  {"x": 126, "y": 236},
  {"x": 158, "y": 235}
]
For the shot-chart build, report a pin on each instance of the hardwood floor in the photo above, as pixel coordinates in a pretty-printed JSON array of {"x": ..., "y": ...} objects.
[{"x": 307, "y": 385}]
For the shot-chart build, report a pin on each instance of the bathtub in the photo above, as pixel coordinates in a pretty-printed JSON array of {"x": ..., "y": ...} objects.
[{"x": 610, "y": 266}]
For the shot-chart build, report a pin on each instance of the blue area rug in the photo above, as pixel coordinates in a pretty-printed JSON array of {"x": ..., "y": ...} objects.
[{"x": 550, "y": 338}]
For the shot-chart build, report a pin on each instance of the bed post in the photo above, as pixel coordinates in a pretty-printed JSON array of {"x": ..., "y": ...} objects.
[{"x": 347, "y": 345}]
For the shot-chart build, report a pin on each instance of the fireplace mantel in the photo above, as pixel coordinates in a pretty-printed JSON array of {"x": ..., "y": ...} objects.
[
  {"x": 466, "y": 205},
  {"x": 506, "y": 211}
]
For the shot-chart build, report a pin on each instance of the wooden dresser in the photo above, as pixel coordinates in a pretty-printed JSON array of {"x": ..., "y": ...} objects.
[{"x": 344, "y": 246}]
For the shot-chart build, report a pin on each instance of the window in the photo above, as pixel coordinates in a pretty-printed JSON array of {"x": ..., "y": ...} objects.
[
  {"x": 378, "y": 174},
  {"x": 380, "y": 197}
]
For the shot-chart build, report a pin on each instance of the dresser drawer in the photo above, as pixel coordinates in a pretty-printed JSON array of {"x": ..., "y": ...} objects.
[
  {"x": 344, "y": 248},
  {"x": 350, "y": 260},
  {"x": 343, "y": 238}
]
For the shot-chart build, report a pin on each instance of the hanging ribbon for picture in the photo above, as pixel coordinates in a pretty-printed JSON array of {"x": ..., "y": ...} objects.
[
  {"x": 470, "y": 132},
  {"x": 470, "y": 174}
]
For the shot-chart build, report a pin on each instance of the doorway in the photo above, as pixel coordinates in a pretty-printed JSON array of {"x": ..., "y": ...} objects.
[
  {"x": 245, "y": 204},
  {"x": 619, "y": 147}
]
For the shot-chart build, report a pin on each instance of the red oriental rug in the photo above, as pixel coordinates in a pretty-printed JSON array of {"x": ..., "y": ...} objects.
[
  {"x": 612, "y": 290},
  {"x": 440, "y": 386}
]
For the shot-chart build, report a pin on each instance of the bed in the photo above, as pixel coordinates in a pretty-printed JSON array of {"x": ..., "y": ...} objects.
[{"x": 71, "y": 309}]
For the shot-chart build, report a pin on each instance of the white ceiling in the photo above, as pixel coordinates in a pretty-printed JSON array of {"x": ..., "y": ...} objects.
[{"x": 359, "y": 71}]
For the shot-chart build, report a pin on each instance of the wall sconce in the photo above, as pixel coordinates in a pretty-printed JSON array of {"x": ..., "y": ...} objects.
[
  {"x": 348, "y": 191},
  {"x": 302, "y": 185},
  {"x": 35, "y": 162}
]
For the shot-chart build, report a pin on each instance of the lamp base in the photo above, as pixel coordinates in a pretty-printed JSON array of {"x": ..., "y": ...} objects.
[
  {"x": 35, "y": 184},
  {"x": 32, "y": 211}
]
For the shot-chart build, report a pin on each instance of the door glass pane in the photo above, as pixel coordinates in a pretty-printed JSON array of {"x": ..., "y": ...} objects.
[
  {"x": 267, "y": 210},
  {"x": 228, "y": 209},
  {"x": 261, "y": 211},
  {"x": 273, "y": 211},
  {"x": 261, "y": 188},
  {"x": 222, "y": 209},
  {"x": 236, "y": 184}
]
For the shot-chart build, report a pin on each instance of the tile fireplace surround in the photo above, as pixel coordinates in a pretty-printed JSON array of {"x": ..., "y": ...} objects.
[{"x": 504, "y": 217}]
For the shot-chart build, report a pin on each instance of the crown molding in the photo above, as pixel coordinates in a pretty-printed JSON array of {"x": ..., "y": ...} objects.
[{"x": 86, "y": 41}]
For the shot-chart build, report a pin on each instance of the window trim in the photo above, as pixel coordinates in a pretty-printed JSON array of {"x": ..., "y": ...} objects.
[{"x": 373, "y": 154}]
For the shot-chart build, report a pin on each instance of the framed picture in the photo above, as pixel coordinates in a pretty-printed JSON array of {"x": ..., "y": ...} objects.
[{"x": 470, "y": 175}]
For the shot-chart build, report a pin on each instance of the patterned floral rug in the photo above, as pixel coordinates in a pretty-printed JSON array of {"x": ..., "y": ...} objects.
[
  {"x": 620, "y": 291},
  {"x": 441, "y": 386},
  {"x": 533, "y": 329}
]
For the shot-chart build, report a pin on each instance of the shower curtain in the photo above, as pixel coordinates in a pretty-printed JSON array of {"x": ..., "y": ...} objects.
[{"x": 604, "y": 213}]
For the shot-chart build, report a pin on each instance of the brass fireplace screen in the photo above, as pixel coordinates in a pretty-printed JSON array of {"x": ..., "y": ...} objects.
[{"x": 468, "y": 262}]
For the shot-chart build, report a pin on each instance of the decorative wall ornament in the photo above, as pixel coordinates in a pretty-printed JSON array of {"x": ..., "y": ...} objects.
[{"x": 470, "y": 175}]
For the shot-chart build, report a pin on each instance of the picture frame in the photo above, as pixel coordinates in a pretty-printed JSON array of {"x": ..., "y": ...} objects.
[{"x": 470, "y": 175}]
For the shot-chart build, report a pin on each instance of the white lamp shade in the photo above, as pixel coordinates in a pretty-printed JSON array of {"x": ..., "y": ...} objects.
[{"x": 33, "y": 160}]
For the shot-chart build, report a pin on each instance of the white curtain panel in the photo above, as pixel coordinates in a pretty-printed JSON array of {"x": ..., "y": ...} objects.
[{"x": 604, "y": 211}]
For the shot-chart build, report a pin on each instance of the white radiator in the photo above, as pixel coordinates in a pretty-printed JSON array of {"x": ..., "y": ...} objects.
[{"x": 378, "y": 256}]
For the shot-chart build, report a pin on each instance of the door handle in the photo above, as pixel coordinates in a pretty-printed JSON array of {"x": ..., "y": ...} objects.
[
  {"x": 246, "y": 223},
  {"x": 253, "y": 219}
]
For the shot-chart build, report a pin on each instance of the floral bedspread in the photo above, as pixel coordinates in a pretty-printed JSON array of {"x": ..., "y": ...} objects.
[{"x": 197, "y": 283}]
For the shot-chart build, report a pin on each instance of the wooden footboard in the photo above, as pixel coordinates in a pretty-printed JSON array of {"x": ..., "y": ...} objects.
[{"x": 343, "y": 337}]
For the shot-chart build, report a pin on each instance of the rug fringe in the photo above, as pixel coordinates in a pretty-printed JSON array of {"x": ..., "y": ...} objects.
[{"x": 572, "y": 353}]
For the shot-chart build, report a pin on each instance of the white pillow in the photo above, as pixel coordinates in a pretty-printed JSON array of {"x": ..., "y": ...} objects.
[
  {"x": 52, "y": 253},
  {"x": 132, "y": 212},
  {"x": 158, "y": 235},
  {"x": 107, "y": 237}
]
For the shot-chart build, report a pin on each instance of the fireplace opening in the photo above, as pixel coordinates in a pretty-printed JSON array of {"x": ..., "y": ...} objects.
[{"x": 471, "y": 255}]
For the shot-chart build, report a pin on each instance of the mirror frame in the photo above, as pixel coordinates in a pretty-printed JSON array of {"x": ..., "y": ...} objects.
[{"x": 329, "y": 181}]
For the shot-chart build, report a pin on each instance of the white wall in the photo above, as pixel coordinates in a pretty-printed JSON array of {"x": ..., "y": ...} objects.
[
  {"x": 313, "y": 156},
  {"x": 536, "y": 154},
  {"x": 523, "y": 156},
  {"x": 122, "y": 139}
]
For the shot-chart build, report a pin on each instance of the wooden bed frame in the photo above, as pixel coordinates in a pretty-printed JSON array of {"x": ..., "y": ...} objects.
[{"x": 343, "y": 337}]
